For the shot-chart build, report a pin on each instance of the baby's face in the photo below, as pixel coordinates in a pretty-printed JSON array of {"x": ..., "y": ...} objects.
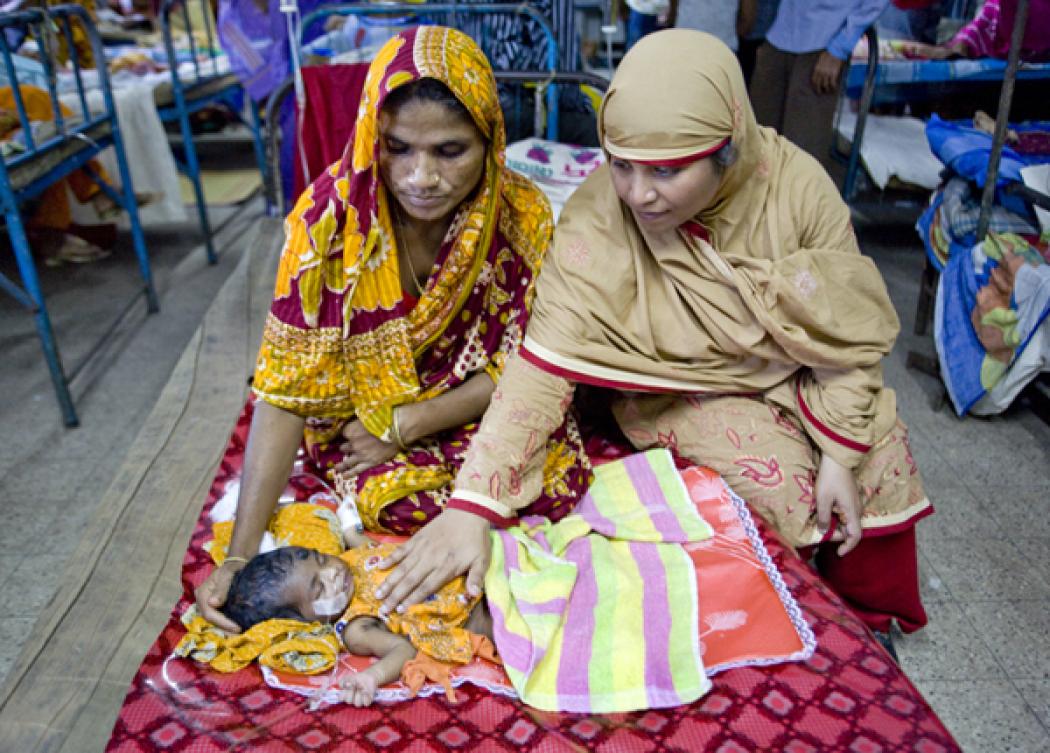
[{"x": 319, "y": 576}]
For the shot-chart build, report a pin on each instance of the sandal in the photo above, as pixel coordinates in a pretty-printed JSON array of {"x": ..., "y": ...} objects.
[
  {"x": 75, "y": 250},
  {"x": 108, "y": 209}
]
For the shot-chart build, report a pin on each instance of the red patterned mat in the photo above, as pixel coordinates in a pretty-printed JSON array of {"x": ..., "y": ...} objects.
[{"x": 849, "y": 696}]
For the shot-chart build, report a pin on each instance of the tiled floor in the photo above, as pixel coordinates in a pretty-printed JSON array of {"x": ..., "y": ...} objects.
[{"x": 983, "y": 662}]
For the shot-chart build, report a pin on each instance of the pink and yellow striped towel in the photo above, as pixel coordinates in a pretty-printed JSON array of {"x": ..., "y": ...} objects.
[{"x": 598, "y": 612}]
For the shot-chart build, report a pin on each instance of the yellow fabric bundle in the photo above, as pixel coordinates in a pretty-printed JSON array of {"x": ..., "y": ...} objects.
[
  {"x": 300, "y": 524},
  {"x": 286, "y": 645}
]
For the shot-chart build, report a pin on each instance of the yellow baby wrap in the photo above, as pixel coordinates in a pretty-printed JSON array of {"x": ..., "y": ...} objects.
[
  {"x": 435, "y": 627},
  {"x": 285, "y": 645},
  {"x": 301, "y": 524}
]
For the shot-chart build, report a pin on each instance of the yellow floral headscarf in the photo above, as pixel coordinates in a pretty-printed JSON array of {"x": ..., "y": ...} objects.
[{"x": 341, "y": 340}]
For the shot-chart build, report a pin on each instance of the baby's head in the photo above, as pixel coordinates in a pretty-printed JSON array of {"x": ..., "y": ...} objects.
[{"x": 289, "y": 583}]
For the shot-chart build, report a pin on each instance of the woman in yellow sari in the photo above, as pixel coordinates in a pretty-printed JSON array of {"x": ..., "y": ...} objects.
[
  {"x": 709, "y": 274},
  {"x": 405, "y": 283}
]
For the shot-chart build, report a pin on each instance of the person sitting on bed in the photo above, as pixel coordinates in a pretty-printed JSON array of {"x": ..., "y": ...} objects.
[
  {"x": 988, "y": 34},
  {"x": 709, "y": 272},
  {"x": 405, "y": 282},
  {"x": 304, "y": 584}
]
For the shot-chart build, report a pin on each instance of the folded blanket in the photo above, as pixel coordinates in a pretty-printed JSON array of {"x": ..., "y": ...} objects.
[
  {"x": 949, "y": 224},
  {"x": 599, "y": 612}
]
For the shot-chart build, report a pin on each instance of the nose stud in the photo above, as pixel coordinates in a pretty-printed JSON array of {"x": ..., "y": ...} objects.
[{"x": 425, "y": 178}]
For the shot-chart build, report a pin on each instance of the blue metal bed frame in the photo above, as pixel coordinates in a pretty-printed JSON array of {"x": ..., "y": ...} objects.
[
  {"x": 207, "y": 87},
  {"x": 872, "y": 82},
  {"x": 452, "y": 11},
  {"x": 24, "y": 176}
]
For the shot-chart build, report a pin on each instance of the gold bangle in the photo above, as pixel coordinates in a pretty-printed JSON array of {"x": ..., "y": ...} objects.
[
  {"x": 395, "y": 430},
  {"x": 233, "y": 558}
]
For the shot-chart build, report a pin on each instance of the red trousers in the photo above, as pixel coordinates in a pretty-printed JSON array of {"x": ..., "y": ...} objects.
[{"x": 879, "y": 579}]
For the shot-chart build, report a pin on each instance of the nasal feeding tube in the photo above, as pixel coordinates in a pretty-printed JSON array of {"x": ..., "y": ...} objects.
[
  {"x": 349, "y": 519},
  {"x": 329, "y": 608},
  {"x": 193, "y": 711}
]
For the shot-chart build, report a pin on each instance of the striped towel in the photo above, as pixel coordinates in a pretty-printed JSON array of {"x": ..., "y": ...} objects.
[{"x": 598, "y": 612}]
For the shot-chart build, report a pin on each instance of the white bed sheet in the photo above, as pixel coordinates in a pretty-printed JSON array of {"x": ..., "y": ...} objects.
[
  {"x": 894, "y": 147},
  {"x": 152, "y": 166}
]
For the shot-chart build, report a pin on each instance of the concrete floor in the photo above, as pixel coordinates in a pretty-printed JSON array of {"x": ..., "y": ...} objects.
[
  {"x": 983, "y": 662},
  {"x": 51, "y": 478}
]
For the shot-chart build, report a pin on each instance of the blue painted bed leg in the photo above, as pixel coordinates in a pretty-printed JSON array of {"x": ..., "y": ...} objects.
[
  {"x": 137, "y": 238},
  {"x": 27, "y": 269},
  {"x": 193, "y": 172},
  {"x": 260, "y": 151}
]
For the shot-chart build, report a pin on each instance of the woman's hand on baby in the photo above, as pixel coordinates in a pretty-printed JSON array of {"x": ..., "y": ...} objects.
[
  {"x": 359, "y": 688},
  {"x": 453, "y": 543},
  {"x": 363, "y": 450},
  {"x": 836, "y": 493},
  {"x": 211, "y": 594}
]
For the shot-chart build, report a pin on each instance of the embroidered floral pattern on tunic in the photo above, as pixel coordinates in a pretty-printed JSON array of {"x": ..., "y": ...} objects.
[{"x": 342, "y": 342}]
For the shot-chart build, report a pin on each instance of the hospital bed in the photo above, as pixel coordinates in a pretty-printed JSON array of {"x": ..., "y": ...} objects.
[
  {"x": 49, "y": 154},
  {"x": 199, "y": 78}
]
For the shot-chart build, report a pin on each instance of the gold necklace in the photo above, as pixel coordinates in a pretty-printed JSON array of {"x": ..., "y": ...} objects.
[{"x": 399, "y": 238}]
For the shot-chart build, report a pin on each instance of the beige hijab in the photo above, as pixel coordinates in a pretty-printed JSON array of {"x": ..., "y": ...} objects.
[{"x": 780, "y": 285}]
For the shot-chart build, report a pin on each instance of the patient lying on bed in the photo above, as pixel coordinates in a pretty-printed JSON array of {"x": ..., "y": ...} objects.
[{"x": 425, "y": 639}]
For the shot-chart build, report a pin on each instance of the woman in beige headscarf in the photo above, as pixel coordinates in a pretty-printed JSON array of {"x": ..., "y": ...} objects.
[{"x": 710, "y": 274}]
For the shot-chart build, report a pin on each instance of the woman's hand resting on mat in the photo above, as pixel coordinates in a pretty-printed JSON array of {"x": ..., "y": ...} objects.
[
  {"x": 453, "y": 543},
  {"x": 211, "y": 594},
  {"x": 836, "y": 493}
]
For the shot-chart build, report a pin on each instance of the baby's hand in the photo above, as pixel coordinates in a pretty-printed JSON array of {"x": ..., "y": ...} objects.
[{"x": 359, "y": 688}]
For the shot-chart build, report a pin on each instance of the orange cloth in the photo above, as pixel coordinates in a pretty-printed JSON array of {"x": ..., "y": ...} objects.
[
  {"x": 53, "y": 210},
  {"x": 426, "y": 668}
]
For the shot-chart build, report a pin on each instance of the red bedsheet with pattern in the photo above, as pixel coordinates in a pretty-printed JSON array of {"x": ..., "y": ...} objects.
[{"x": 849, "y": 696}]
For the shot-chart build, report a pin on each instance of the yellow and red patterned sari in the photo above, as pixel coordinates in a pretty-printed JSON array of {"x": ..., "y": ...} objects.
[{"x": 343, "y": 341}]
